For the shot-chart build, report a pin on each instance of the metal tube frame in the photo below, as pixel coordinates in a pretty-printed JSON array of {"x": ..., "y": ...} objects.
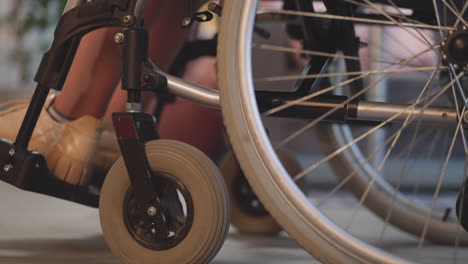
[{"x": 27, "y": 170}]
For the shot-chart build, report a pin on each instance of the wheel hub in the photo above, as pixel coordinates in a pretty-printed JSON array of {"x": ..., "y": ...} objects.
[
  {"x": 146, "y": 231},
  {"x": 454, "y": 49},
  {"x": 246, "y": 197}
]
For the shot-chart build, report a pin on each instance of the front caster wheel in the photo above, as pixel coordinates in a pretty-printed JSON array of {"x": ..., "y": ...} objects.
[
  {"x": 247, "y": 212},
  {"x": 193, "y": 196}
]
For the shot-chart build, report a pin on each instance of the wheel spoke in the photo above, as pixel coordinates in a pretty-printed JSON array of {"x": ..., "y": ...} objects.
[
  {"x": 457, "y": 22},
  {"x": 439, "y": 183},
  {"x": 454, "y": 81},
  {"x": 326, "y": 75},
  {"x": 405, "y": 168},
  {"x": 403, "y": 62},
  {"x": 409, "y": 20},
  {"x": 317, "y": 120},
  {"x": 398, "y": 133},
  {"x": 436, "y": 11},
  {"x": 460, "y": 117},
  {"x": 355, "y": 19},
  {"x": 455, "y": 12},
  {"x": 343, "y": 148},
  {"x": 354, "y": 172},
  {"x": 401, "y": 25},
  {"x": 333, "y": 55},
  {"x": 399, "y": 15},
  {"x": 358, "y": 157}
]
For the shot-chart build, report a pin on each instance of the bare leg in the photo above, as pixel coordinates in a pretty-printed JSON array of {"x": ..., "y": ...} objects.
[
  {"x": 204, "y": 124},
  {"x": 192, "y": 123},
  {"x": 96, "y": 69},
  {"x": 92, "y": 78},
  {"x": 166, "y": 39}
]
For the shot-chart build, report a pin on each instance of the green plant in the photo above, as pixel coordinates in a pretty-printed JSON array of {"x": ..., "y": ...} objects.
[{"x": 26, "y": 18}]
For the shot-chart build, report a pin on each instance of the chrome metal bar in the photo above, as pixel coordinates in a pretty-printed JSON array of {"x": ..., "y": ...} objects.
[
  {"x": 193, "y": 92},
  {"x": 139, "y": 8},
  {"x": 431, "y": 116}
]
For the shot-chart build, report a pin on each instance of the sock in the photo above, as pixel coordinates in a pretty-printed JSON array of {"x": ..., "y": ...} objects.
[{"x": 56, "y": 115}]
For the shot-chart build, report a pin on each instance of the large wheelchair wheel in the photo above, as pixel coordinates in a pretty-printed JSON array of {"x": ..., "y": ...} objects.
[
  {"x": 401, "y": 152},
  {"x": 194, "y": 196}
]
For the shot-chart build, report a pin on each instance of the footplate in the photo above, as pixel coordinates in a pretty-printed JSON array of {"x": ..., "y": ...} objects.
[{"x": 28, "y": 171}]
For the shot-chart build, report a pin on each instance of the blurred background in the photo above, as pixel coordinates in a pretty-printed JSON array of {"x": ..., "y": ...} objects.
[{"x": 26, "y": 31}]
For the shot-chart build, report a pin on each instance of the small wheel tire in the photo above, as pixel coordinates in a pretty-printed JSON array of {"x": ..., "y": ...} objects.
[
  {"x": 246, "y": 222},
  {"x": 210, "y": 201}
]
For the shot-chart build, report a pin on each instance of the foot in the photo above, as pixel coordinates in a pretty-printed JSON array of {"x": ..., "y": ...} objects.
[
  {"x": 68, "y": 147},
  {"x": 108, "y": 150}
]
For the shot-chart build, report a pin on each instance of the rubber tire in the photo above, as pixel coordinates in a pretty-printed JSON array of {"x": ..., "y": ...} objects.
[
  {"x": 208, "y": 191},
  {"x": 246, "y": 223},
  {"x": 290, "y": 207},
  {"x": 405, "y": 215}
]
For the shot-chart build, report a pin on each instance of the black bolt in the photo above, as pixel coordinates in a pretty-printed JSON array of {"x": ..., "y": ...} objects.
[
  {"x": 215, "y": 8},
  {"x": 149, "y": 78}
]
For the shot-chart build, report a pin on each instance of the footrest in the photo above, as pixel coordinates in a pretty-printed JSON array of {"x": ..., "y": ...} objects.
[{"x": 28, "y": 171}]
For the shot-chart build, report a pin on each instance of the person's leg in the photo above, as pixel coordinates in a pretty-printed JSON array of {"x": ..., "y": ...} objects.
[
  {"x": 166, "y": 39},
  {"x": 69, "y": 146},
  {"x": 96, "y": 69},
  {"x": 92, "y": 81},
  {"x": 93, "y": 76},
  {"x": 182, "y": 116},
  {"x": 192, "y": 123}
]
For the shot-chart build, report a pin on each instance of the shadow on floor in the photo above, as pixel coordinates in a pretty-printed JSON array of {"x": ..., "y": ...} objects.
[
  {"x": 282, "y": 241},
  {"x": 92, "y": 250},
  {"x": 238, "y": 249}
]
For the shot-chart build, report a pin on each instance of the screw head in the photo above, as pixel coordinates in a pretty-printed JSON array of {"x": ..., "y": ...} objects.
[
  {"x": 11, "y": 152},
  {"x": 152, "y": 211},
  {"x": 128, "y": 19},
  {"x": 187, "y": 21},
  {"x": 7, "y": 167},
  {"x": 119, "y": 38}
]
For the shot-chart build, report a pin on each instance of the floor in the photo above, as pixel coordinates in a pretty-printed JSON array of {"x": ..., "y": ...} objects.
[{"x": 35, "y": 229}]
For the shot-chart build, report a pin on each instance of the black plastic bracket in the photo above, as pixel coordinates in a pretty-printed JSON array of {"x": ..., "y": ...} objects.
[
  {"x": 73, "y": 25},
  {"x": 138, "y": 72},
  {"x": 133, "y": 130},
  {"x": 28, "y": 171}
]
